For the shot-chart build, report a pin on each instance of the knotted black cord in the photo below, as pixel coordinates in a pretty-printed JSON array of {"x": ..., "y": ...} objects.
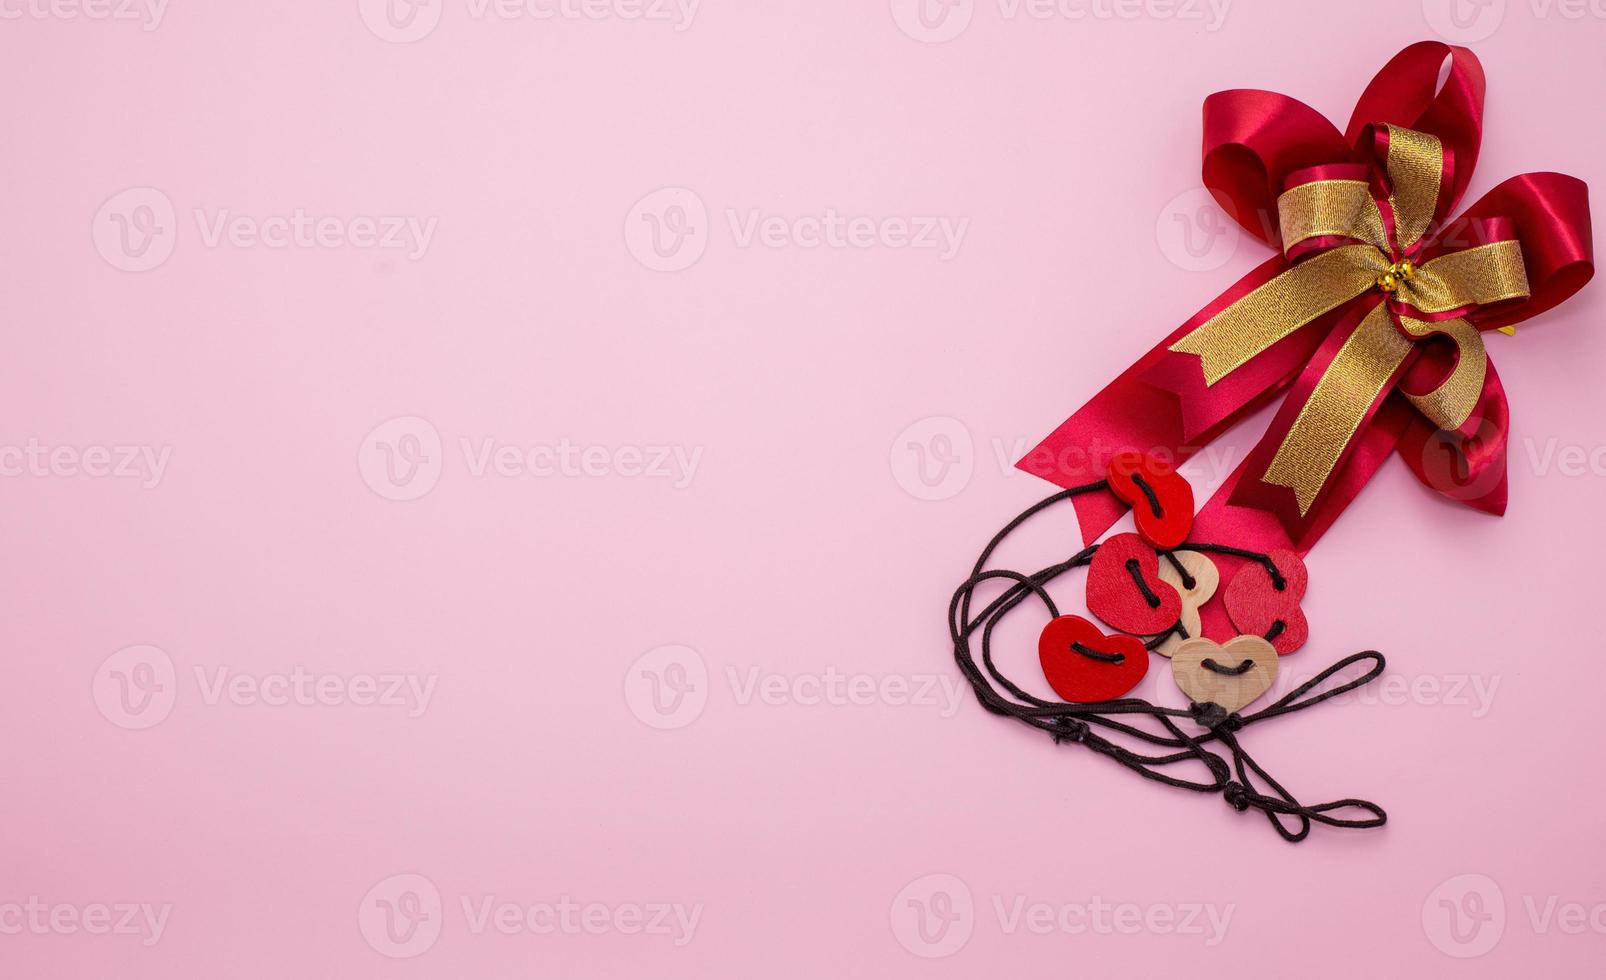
[{"x": 1074, "y": 722}]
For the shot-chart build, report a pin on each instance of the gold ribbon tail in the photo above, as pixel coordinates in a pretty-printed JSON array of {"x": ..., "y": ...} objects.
[
  {"x": 1275, "y": 309},
  {"x": 1363, "y": 367}
]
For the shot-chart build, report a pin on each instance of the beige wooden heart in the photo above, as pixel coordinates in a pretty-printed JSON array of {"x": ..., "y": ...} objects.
[
  {"x": 1206, "y": 579},
  {"x": 1240, "y": 670}
]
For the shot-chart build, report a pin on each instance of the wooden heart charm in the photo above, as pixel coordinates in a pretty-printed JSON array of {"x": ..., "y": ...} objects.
[
  {"x": 1230, "y": 674},
  {"x": 1161, "y": 500},
  {"x": 1082, "y": 664},
  {"x": 1125, "y": 590},
  {"x": 1205, "y": 579},
  {"x": 1255, "y": 604}
]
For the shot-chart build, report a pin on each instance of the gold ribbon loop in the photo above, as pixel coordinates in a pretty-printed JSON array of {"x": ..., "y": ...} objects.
[
  {"x": 1415, "y": 167},
  {"x": 1330, "y": 207},
  {"x": 1472, "y": 277},
  {"x": 1450, "y": 404}
]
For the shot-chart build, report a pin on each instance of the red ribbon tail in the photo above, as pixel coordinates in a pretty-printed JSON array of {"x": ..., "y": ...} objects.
[
  {"x": 1161, "y": 406},
  {"x": 1469, "y": 464}
]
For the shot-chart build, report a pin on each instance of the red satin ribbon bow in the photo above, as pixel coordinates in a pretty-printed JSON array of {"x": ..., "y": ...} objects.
[{"x": 1374, "y": 289}]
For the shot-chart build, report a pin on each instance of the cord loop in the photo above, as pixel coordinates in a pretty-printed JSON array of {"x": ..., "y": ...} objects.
[{"x": 1238, "y": 782}]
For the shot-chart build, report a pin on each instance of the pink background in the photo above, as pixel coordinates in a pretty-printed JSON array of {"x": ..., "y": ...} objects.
[{"x": 799, "y": 546}]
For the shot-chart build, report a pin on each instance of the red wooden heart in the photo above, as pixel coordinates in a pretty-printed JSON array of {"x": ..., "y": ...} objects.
[
  {"x": 1115, "y": 595},
  {"x": 1255, "y": 604},
  {"x": 1082, "y": 664},
  {"x": 1165, "y": 520}
]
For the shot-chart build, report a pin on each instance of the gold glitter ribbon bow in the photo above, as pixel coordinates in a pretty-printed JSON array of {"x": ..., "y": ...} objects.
[{"x": 1351, "y": 243}]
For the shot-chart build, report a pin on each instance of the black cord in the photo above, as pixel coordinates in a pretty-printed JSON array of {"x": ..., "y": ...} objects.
[
  {"x": 1100, "y": 655},
  {"x": 1134, "y": 568},
  {"x": 1069, "y": 722},
  {"x": 1277, "y": 581},
  {"x": 1188, "y": 581},
  {"x": 1148, "y": 491},
  {"x": 1210, "y": 665}
]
